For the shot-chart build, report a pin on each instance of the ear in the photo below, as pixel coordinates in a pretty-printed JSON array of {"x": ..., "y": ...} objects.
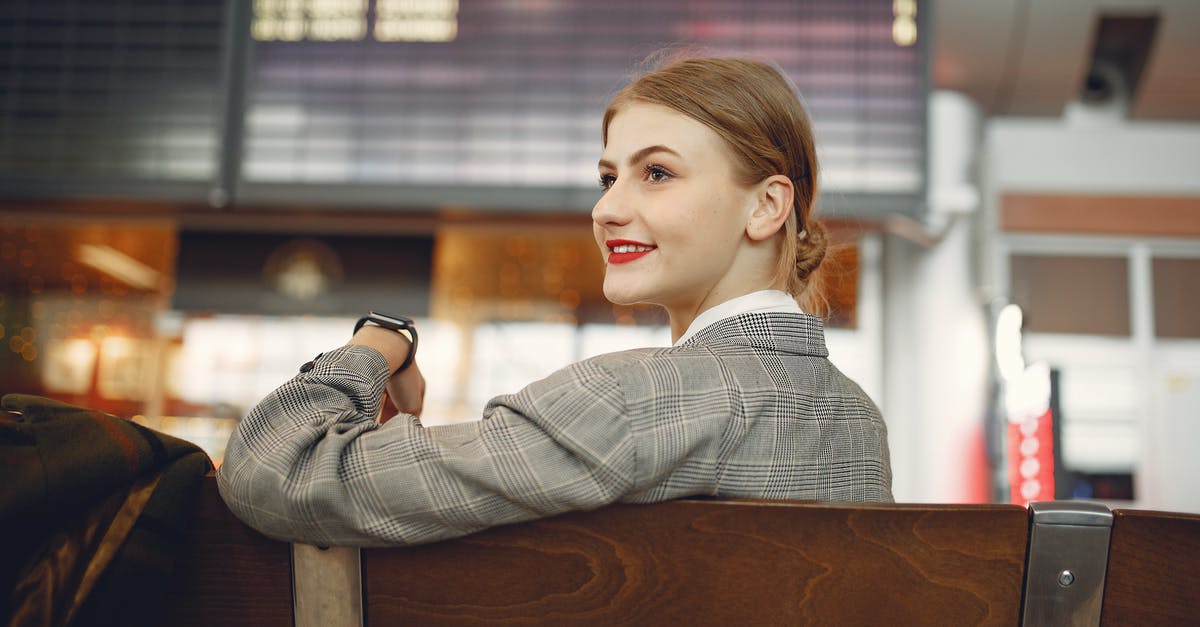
[{"x": 773, "y": 206}]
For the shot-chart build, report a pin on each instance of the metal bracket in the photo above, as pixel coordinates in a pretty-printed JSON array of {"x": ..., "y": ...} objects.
[
  {"x": 326, "y": 586},
  {"x": 1067, "y": 563}
]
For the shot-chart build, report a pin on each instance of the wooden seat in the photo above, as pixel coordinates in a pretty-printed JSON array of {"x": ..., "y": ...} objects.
[
  {"x": 721, "y": 562},
  {"x": 696, "y": 562},
  {"x": 228, "y": 574},
  {"x": 1153, "y": 569},
  {"x": 717, "y": 563}
]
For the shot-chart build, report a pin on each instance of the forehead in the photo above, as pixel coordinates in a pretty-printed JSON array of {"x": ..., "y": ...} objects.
[{"x": 639, "y": 124}]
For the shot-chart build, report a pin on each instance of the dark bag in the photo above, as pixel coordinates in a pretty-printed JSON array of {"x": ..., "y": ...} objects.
[{"x": 92, "y": 511}]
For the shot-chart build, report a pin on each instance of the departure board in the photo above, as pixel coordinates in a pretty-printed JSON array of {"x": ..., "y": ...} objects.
[
  {"x": 126, "y": 92},
  {"x": 393, "y": 96}
]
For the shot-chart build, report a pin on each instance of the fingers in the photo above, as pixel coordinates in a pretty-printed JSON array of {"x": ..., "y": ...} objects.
[{"x": 407, "y": 390}]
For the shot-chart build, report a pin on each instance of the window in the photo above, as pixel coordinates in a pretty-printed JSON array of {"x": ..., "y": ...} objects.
[
  {"x": 1176, "y": 297},
  {"x": 1072, "y": 294}
]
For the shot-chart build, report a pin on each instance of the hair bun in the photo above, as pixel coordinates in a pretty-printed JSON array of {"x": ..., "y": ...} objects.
[{"x": 811, "y": 244}]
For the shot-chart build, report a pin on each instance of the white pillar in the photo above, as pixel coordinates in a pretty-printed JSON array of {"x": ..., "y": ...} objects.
[{"x": 936, "y": 348}]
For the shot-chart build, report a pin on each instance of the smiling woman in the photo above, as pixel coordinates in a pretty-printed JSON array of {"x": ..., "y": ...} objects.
[
  {"x": 709, "y": 177},
  {"x": 672, "y": 216}
]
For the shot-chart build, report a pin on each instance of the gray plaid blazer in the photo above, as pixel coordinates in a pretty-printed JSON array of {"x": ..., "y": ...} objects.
[{"x": 748, "y": 407}]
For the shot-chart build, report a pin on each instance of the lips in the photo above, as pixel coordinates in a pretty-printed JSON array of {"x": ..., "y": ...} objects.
[{"x": 625, "y": 251}]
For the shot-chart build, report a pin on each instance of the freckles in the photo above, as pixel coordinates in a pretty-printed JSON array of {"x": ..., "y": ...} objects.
[{"x": 719, "y": 201}]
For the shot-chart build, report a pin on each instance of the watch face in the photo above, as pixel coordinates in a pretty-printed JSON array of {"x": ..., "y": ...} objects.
[{"x": 396, "y": 323}]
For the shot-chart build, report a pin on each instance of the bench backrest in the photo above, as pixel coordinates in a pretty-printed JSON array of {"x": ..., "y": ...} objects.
[
  {"x": 698, "y": 562},
  {"x": 1153, "y": 569}
]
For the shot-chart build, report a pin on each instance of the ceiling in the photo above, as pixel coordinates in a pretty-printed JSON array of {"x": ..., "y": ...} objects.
[{"x": 1030, "y": 57}]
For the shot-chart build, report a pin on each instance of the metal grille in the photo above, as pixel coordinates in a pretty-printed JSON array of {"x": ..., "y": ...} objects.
[{"x": 126, "y": 90}]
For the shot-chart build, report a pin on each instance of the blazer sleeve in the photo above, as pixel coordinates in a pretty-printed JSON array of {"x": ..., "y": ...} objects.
[{"x": 309, "y": 463}]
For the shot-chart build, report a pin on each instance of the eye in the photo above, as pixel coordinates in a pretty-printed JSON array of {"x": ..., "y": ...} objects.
[
  {"x": 607, "y": 181},
  {"x": 657, "y": 174}
]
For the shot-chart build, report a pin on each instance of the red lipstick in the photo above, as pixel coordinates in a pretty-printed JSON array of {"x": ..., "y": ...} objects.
[{"x": 628, "y": 256}]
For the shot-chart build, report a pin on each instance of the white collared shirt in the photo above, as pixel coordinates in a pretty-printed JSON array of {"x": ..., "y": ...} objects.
[{"x": 762, "y": 301}]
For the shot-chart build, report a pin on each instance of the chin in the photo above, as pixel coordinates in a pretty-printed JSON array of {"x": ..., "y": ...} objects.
[{"x": 618, "y": 296}]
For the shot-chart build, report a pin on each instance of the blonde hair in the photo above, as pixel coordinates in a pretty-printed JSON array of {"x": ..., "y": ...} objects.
[{"x": 755, "y": 109}]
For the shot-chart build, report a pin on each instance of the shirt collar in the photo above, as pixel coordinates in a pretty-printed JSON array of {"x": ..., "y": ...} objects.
[{"x": 762, "y": 301}]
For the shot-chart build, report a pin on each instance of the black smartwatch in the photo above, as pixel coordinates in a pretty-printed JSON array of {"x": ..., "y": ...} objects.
[{"x": 403, "y": 326}]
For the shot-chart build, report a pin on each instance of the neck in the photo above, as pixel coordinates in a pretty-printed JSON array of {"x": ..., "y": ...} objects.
[
  {"x": 752, "y": 271},
  {"x": 682, "y": 317},
  {"x": 679, "y": 327}
]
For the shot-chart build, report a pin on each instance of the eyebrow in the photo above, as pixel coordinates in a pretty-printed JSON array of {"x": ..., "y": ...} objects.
[{"x": 641, "y": 154}]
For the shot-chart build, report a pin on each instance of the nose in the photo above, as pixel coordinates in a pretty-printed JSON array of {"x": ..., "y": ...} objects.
[{"x": 610, "y": 210}]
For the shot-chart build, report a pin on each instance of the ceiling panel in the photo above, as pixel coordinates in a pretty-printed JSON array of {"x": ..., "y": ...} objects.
[
  {"x": 1170, "y": 88},
  {"x": 1030, "y": 57}
]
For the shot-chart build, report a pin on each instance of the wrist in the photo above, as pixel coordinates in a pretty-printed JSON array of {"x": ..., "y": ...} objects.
[
  {"x": 393, "y": 336},
  {"x": 392, "y": 346}
]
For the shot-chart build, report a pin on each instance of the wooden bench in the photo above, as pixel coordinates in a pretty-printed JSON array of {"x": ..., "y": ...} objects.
[{"x": 709, "y": 562}]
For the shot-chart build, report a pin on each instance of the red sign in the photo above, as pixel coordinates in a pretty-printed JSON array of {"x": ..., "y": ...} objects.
[{"x": 1031, "y": 459}]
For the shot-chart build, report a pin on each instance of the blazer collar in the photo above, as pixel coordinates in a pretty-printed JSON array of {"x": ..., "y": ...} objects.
[{"x": 794, "y": 333}]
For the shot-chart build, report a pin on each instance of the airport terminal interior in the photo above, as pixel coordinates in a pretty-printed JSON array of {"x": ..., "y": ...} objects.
[{"x": 198, "y": 196}]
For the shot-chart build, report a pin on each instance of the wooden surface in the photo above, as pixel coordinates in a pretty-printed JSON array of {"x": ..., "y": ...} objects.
[
  {"x": 1171, "y": 216},
  {"x": 227, "y": 573},
  {"x": 1153, "y": 569},
  {"x": 709, "y": 563},
  {"x": 701, "y": 562}
]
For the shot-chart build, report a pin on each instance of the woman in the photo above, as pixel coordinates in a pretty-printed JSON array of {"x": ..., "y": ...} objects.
[{"x": 709, "y": 176}]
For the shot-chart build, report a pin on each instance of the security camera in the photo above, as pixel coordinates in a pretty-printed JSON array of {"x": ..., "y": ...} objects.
[{"x": 1103, "y": 83}]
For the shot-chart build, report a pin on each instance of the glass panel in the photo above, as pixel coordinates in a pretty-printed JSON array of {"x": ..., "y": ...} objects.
[
  {"x": 1066, "y": 294},
  {"x": 1177, "y": 297}
]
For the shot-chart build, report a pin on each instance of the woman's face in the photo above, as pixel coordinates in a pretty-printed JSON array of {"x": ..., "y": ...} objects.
[{"x": 672, "y": 216}]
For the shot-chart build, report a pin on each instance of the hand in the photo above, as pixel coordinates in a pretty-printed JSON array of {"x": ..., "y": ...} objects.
[{"x": 406, "y": 389}]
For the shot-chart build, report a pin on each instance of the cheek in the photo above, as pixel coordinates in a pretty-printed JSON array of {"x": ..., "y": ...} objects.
[{"x": 714, "y": 221}]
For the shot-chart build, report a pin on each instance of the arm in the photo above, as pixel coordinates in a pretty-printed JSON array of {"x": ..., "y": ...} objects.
[
  {"x": 310, "y": 463},
  {"x": 406, "y": 387}
]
